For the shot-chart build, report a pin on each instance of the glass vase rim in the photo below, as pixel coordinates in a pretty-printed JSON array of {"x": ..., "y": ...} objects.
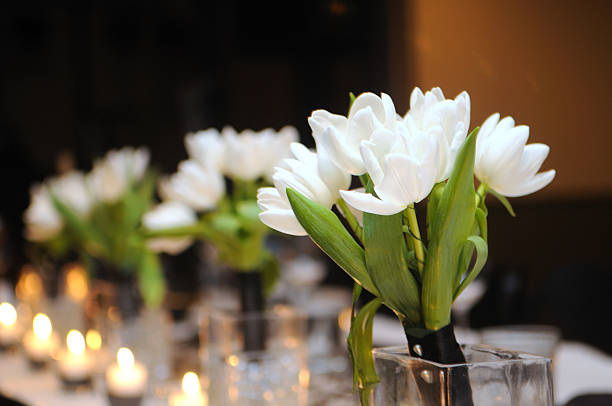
[
  {"x": 275, "y": 312},
  {"x": 523, "y": 328},
  {"x": 402, "y": 352}
]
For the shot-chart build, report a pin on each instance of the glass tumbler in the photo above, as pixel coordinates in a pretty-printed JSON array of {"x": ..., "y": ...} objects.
[{"x": 257, "y": 359}]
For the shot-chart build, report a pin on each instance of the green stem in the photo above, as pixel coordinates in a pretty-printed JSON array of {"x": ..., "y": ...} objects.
[
  {"x": 195, "y": 230},
  {"x": 415, "y": 234},
  {"x": 350, "y": 218},
  {"x": 481, "y": 193},
  {"x": 365, "y": 178}
]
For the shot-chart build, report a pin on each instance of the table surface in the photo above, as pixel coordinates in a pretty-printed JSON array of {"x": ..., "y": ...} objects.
[{"x": 578, "y": 369}]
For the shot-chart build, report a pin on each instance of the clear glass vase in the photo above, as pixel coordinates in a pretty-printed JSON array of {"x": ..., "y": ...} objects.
[
  {"x": 257, "y": 358},
  {"x": 496, "y": 378}
]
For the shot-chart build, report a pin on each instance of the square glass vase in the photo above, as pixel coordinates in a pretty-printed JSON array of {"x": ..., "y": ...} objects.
[{"x": 496, "y": 378}]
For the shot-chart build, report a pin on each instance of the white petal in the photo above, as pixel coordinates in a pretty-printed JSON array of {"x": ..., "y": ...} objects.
[
  {"x": 534, "y": 184},
  {"x": 400, "y": 183},
  {"x": 366, "y": 202},
  {"x": 283, "y": 221}
]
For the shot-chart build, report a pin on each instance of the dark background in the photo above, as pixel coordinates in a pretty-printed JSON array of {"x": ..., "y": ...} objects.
[{"x": 104, "y": 74}]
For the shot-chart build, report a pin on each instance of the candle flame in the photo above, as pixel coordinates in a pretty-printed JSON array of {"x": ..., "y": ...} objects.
[
  {"x": 8, "y": 314},
  {"x": 125, "y": 358},
  {"x": 75, "y": 342},
  {"x": 191, "y": 384},
  {"x": 42, "y": 326},
  {"x": 94, "y": 339},
  {"x": 76, "y": 283}
]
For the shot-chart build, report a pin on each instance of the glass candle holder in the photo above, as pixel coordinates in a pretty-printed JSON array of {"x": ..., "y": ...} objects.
[
  {"x": 257, "y": 358},
  {"x": 496, "y": 378}
]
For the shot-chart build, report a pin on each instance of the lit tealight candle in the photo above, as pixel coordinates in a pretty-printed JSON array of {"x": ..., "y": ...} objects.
[
  {"x": 75, "y": 364},
  {"x": 126, "y": 380},
  {"x": 9, "y": 330},
  {"x": 40, "y": 341},
  {"x": 191, "y": 395}
]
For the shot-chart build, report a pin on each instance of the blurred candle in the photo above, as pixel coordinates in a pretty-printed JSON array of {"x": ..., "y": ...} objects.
[
  {"x": 126, "y": 380},
  {"x": 75, "y": 363},
  {"x": 76, "y": 283},
  {"x": 9, "y": 331},
  {"x": 40, "y": 341},
  {"x": 191, "y": 394},
  {"x": 93, "y": 339}
]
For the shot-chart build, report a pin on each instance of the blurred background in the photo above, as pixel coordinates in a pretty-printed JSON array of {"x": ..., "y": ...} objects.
[{"x": 77, "y": 81}]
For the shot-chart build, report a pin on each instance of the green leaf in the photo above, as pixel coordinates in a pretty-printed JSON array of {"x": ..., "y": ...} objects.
[
  {"x": 88, "y": 237},
  {"x": 482, "y": 252},
  {"x": 450, "y": 227},
  {"x": 226, "y": 223},
  {"x": 432, "y": 205},
  {"x": 386, "y": 253},
  {"x": 481, "y": 219},
  {"x": 351, "y": 100},
  {"x": 270, "y": 272},
  {"x": 503, "y": 201},
  {"x": 360, "y": 349},
  {"x": 356, "y": 293},
  {"x": 151, "y": 280},
  {"x": 326, "y": 230}
]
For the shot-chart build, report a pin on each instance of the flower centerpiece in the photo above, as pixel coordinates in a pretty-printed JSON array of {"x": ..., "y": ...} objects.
[
  {"x": 219, "y": 182},
  {"x": 426, "y": 157},
  {"x": 99, "y": 215}
]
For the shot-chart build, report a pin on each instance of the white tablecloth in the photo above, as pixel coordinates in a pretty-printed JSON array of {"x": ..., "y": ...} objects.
[{"x": 578, "y": 369}]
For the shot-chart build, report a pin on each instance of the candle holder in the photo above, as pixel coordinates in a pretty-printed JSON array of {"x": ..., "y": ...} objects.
[
  {"x": 75, "y": 364},
  {"x": 40, "y": 342},
  {"x": 276, "y": 373},
  {"x": 126, "y": 380},
  {"x": 9, "y": 328}
]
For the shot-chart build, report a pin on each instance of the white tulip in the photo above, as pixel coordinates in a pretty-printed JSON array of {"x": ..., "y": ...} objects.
[
  {"x": 199, "y": 187},
  {"x": 504, "y": 163},
  {"x": 207, "y": 147},
  {"x": 302, "y": 175},
  {"x": 111, "y": 175},
  {"x": 42, "y": 221},
  {"x": 340, "y": 137},
  {"x": 403, "y": 166},
  {"x": 169, "y": 215},
  {"x": 431, "y": 110},
  {"x": 251, "y": 155},
  {"x": 71, "y": 189}
]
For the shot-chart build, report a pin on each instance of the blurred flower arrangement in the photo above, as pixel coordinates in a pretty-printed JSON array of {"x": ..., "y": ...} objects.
[
  {"x": 99, "y": 215},
  {"x": 401, "y": 161},
  {"x": 212, "y": 196}
]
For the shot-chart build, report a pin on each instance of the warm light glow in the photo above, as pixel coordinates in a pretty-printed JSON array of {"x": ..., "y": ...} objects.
[
  {"x": 75, "y": 342},
  {"x": 8, "y": 314},
  {"x": 191, "y": 384},
  {"x": 125, "y": 358},
  {"x": 344, "y": 319},
  {"x": 304, "y": 377},
  {"x": 233, "y": 360},
  {"x": 76, "y": 283},
  {"x": 94, "y": 340},
  {"x": 42, "y": 326},
  {"x": 29, "y": 286}
]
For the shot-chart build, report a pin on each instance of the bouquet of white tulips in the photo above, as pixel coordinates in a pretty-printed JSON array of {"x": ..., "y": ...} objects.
[
  {"x": 425, "y": 157},
  {"x": 99, "y": 214},
  {"x": 212, "y": 196},
  {"x": 44, "y": 224}
]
